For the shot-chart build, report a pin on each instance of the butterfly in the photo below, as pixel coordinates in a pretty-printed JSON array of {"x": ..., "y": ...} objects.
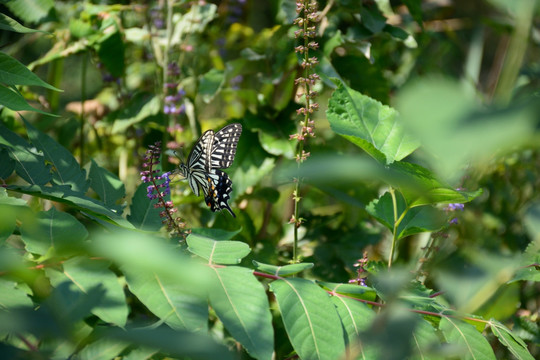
[{"x": 212, "y": 152}]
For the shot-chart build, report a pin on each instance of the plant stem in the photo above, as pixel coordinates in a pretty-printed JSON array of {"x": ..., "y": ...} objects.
[
  {"x": 83, "y": 99},
  {"x": 394, "y": 230},
  {"x": 304, "y": 124}
]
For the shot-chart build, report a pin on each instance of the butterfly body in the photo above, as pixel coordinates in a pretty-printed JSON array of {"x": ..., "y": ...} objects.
[{"x": 212, "y": 152}]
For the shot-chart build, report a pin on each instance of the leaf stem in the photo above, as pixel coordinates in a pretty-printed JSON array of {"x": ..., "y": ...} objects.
[
  {"x": 83, "y": 99},
  {"x": 395, "y": 227}
]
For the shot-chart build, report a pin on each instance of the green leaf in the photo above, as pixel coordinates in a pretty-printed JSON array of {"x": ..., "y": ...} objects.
[
  {"x": 210, "y": 84},
  {"x": 471, "y": 283},
  {"x": 30, "y": 10},
  {"x": 178, "y": 344},
  {"x": 142, "y": 213},
  {"x": 425, "y": 339},
  {"x": 217, "y": 252},
  {"x": 179, "y": 305},
  {"x": 241, "y": 303},
  {"x": 532, "y": 221},
  {"x": 12, "y": 209},
  {"x": 372, "y": 18},
  {"x": 369, "y": 124},
  {"x": 9, "y": 24},
  {"x": 102, "y": 349},
  {"x": 111, "y": 51},
  {"x": 141, "y": 353},
  {"x": 28, "y": 165},
  {"x": 351, "y": 290},
  {"x": 88, "y": 273},
  {"x": 71, "y": 303},
  {"x": 419, "y": 186},
  {"x": 251, "y": 172},
  {"x": 66, "y": 169},
  {"x": 139, "y": 108},
  {"x": 14, "y": 101},
  {"x": 356, "y": 318},
  {"x": 53, "y": 229},
  {"x": 194, "y": 21},
  {"x": 8, "y": 164},
  {"x": 530, "y": 261},
  {"x": 277, "y": 145},
  {"x": 456, "y": 130},
  {"x": 415, "y": 9},
  {"x": 136, "y": 250},
  {"x": 216, "y": 234},
  {"x": 12, "y": 72},
  {"x": 107, "y": 185},
  {"x": 512, "y": 342},
  {"x": 416, "y": 220},
  {"x": 473, "y": 345},
  {"x": 79, "y": 201},
  {"x": 311, "y": 320},
  {"x": 284, "y": 270},
  {"x": 11, "y": 296},
  {"x": 286, "y": 12}
]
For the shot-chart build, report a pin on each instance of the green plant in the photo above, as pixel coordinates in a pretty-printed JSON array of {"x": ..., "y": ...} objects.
[{"x": 419, "y": 242}]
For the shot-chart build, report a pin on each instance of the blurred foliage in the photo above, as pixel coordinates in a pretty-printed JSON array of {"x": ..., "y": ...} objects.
[{"x": 419, "y": 201}]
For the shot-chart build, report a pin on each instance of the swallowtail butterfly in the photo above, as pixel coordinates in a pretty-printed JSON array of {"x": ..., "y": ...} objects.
[{"x": 212, "y": 152}]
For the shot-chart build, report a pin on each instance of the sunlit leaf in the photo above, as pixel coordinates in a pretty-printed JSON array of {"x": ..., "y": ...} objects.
[
  {"x": 30, "y": 10},
  {"x": 241, "y": 303},
  {"x": 284, "y": 270},
  {"x": 215, "y": 234},
  {"x": 511, "y": 341},
  {"x": 194, "y": 21},
  {"x": 310, "y": 318},
  {"x": 218, "y": 252},
  {"x": 424, "y": 341},
  {"x": 416, "y": 220},
  {"x": 356, "y": 318},
  {"x": 7, "y": 23},
  {"x": 102, "y": 349},
  {"x": 11, "y": 296},
  {"x": 14, "y": 101},
  {"x": 180, "y": 306},
  {"x": 351, "y": 290},
  {"x": 472, "y": 344},
  {"x": 369, "y": 124},
  {"x": 12, "y": 72}
]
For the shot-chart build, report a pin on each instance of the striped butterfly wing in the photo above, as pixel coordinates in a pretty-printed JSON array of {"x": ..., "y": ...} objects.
[
  {"x": 213, "y": 151},
  {"x": 198, "y": 163},
  {"x": 224, "y": 146},
  {"x": 219, "y": 188}
]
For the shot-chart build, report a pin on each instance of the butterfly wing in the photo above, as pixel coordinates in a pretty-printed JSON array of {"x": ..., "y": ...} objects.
[
  {"x": 224, "y": 146},
  {"x": 211, "y": 152},
  {"x": 218, "y": 190},
  {"x": 198, "y": 164}
]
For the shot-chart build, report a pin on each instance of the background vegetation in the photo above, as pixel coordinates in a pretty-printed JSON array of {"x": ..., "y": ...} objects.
[{"x": 391, "y": 213}]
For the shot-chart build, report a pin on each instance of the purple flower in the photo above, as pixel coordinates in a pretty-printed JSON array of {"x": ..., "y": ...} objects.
[{"x": 454, "y": 207}]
